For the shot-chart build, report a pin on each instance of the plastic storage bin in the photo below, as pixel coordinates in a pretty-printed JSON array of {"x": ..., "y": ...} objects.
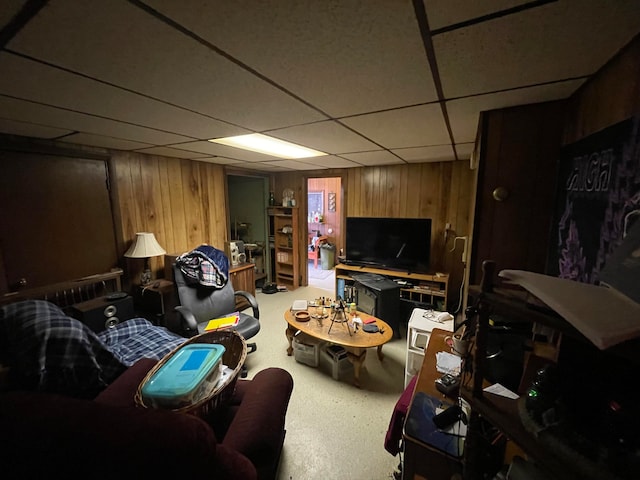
[
  {"x": 337, "y": 361},
  {"x": 190, "y": 374},
  {"x": 306, "y": 349}
]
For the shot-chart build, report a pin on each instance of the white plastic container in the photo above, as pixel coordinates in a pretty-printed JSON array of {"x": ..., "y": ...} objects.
[
  {"x": 337, "y": 361},
  {"x": 306, "y": 349},
  {"x": 187, "y": 377}
]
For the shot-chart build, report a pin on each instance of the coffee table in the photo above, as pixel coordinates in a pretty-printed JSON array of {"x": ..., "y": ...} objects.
[{"x": 355, "y": 344}]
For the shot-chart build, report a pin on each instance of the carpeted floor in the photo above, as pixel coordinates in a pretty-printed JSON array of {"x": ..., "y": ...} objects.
[
  {"x": 334, "y": 429},
  {"x": 318, "y": 273}
]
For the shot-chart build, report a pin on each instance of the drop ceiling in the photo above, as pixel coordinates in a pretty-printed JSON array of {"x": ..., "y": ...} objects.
[{"x": 369, "y": 82}]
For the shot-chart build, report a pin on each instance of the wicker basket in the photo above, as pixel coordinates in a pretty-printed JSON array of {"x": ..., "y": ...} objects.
[{"x": 234, "y": 357}]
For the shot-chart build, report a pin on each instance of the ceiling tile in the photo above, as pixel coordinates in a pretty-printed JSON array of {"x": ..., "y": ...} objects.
[
  {"x": 328, "y": 137},
  {"x": 437, "y": 153},
  {"x": 220, "y": 160},
  {"x": 560, "y": 40},
  {"x": 27, "y": 129},
  {"x": 465, "y": 113},
  {"x": 465, "y": 150},
  {"x": 405, "y": 127},
  {"x": 170, "y": 152},
  {"x": 294, "y": 165},
  {"x": 442, "y": 13},
  {"x": 9, "y": 9},
  {"x": 34, "y": 112},
  {"x": 343, "y": 57},
  {"x": 80, "y": 94},
  {"x": 104, "y": 142},
  {"x": 380, "y": 157},
  {"x": 124, "y": 45},
  {"x": 330, "y": 161}
]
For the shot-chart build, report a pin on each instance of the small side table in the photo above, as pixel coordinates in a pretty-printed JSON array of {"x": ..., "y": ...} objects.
[{"x": 156, "y": 302}]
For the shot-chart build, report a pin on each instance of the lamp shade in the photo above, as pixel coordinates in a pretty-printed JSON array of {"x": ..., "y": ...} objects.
[{"x": 144, "y": 246}]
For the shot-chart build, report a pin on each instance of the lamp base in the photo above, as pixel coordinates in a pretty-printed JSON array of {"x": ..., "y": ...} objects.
[{"x": 145, "y": 278}]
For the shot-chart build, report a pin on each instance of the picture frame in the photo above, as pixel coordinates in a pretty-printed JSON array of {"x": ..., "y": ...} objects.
[
  {"x": 332, "y": 202},
  {"x": 315, "y": 202}
]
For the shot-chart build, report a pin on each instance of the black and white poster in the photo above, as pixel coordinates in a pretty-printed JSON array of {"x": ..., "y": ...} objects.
[{"x": 597, "y": 202}]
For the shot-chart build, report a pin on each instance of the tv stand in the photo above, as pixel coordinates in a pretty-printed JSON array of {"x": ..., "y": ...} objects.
[{"x": 421, "y": 289}]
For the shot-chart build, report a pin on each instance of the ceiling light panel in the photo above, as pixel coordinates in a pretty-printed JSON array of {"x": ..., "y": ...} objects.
[{"x": 257, "y": 142}]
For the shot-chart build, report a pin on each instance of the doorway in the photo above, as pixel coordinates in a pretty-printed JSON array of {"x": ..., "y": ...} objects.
[
  {"x": 248, "y": 198},
  {"x": 324, "y": 205}
]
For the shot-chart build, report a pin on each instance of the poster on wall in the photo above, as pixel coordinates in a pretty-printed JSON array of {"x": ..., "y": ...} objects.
[{"x": 597, "y": 202}]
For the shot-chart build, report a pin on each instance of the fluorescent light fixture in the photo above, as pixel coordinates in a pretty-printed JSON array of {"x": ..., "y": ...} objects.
[{"x": 257, "y": 142}]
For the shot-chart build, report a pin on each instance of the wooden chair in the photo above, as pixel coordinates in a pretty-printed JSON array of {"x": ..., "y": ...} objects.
[{"x": 313, "y": 250}]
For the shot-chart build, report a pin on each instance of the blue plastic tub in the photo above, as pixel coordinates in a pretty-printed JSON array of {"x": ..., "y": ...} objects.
[{"x": 187, "y": 377}]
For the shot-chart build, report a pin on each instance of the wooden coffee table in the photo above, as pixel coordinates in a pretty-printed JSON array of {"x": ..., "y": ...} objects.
[{"x": 355, "y": 344}]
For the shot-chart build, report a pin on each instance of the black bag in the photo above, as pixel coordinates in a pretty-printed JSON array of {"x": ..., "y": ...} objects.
[{"x": 269, "y": 287}]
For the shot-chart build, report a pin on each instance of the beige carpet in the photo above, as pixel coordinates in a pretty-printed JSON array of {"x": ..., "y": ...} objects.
[{"x": 334, "y": 430}]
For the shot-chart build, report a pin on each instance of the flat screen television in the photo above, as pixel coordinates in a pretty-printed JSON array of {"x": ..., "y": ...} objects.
[{"x": 393, "y": 243}]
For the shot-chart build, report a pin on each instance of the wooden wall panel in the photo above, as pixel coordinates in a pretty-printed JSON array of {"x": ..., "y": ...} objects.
[
  {"x": 521, "y": 147},
  {"x": 181, "y": 202},
  {"x": 609, "y": 97},
  {"x": 440, "y": 191}
]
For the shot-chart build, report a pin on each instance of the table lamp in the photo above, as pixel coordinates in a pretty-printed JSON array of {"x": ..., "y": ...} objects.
[{"x": 145, "y": 246}]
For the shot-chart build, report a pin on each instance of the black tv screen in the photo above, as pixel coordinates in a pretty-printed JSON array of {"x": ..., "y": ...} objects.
[{"x": 394, "y": 243}]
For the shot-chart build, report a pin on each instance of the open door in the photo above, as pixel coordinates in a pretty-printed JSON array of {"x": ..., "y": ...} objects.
[{"x": 324, "y": 219}]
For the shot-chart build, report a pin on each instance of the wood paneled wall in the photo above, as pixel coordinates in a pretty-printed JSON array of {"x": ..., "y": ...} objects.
[
  {"x": 182, "y": 202},
  {"x": 441, "y": 191},
  {"x": 609, "y": 97}
]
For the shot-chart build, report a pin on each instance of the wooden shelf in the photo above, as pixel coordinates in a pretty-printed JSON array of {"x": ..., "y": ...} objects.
[
  {"x": 286, "y": 249},
  {"x": 427, "y": 288},
  {"x": 563, "y": 452}
]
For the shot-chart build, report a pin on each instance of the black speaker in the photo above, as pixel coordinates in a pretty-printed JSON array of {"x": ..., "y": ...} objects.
[{"x": 104, "y": 312}]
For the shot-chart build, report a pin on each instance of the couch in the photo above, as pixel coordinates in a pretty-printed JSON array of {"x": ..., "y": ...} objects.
[
  {"x": 67, "y": 406},
  {"x": 42, "y": 434}
]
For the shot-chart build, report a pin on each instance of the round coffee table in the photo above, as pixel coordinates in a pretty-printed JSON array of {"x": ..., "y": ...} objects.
[{"x": 355, "y": 343}]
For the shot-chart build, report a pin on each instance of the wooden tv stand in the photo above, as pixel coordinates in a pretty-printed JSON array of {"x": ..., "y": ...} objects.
[{"x": 425, "y": 287}]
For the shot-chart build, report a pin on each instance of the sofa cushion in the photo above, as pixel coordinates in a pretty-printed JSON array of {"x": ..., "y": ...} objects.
[{"x": 138, "y": 338}]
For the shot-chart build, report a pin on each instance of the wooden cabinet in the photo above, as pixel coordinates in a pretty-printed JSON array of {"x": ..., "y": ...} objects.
[
  {"x": 420, "y": 287},
  {"x": 286, "y": 232},
  {"x": 242, "y": 277}
]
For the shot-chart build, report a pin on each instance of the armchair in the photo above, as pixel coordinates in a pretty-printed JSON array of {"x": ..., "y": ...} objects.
[{"x": 200, "y": 304}]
